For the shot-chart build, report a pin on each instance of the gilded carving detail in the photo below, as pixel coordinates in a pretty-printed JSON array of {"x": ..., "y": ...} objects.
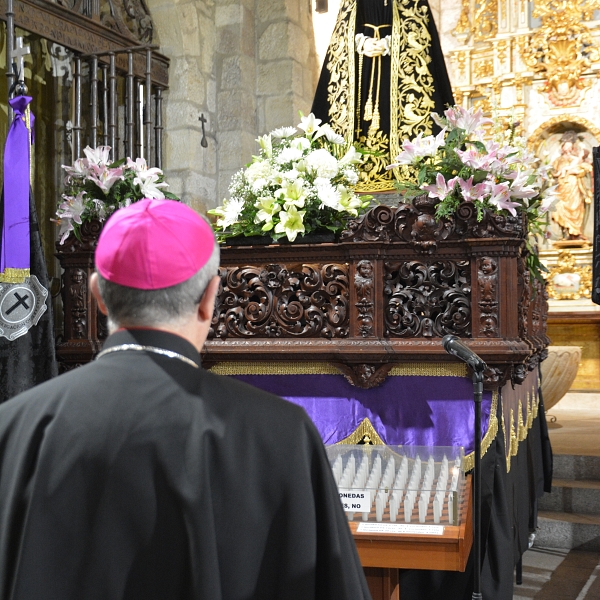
[
  {"x": 563, "y": 48},
  {"x": 462, "y": 31},
  {"x": 483, "y": 68},
  {"x": 486, "y": 20},
  {"x": 567, "y": 280}
]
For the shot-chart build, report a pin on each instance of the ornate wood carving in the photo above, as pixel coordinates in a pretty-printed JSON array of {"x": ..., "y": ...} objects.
[
  {"x": 78, "y": 292},
  {"x": 416, "y": 225},
  {"x": 363, "y": 284},
  {"x": 487, "y": 280},
  {"x": 119, "y": 24},
  {"x": 363, "y": 375},
  {"x": 83, "y": 334},
  {"x": 274, "y": 301},
  {"x": 427, "y": 299},
  {"x": 363, "y": 305}
]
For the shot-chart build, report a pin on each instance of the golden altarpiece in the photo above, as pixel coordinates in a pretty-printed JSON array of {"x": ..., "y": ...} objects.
[{"x": 538, "y": 65}]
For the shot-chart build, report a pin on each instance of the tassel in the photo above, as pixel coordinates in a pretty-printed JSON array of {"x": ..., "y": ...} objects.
[
  {"x": 374, "y": 127},
  {"x": 368, "y": 109}
]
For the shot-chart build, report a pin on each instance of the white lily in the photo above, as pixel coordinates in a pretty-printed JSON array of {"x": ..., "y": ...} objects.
[
  {"x": 97, "y": 156},
  {"x": 309, "y": 124}
]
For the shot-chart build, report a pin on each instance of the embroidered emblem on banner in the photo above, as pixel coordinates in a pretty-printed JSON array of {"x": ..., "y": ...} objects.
[{"x": 21, "y": 306}]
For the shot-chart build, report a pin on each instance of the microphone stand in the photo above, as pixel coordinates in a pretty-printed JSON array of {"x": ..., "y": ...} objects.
[
  {"x": 477, "y": 397},
  {"x": 454, "y": 346}
]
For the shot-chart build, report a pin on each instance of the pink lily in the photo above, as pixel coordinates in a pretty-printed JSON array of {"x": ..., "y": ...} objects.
[
  {"x": 441, "y": 189},
  {"x": 501, "y": 198},
  {"x": 104, "y": 177},
  {"x": 472, "y": 192}
]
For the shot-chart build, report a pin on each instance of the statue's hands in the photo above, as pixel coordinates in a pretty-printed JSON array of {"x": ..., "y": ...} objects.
[{"x": 373, "y": 47}]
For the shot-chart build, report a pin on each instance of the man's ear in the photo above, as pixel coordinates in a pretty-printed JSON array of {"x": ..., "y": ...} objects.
[
  {"x": 95, "y": 289},
  {"x": 207, "y": 303}
]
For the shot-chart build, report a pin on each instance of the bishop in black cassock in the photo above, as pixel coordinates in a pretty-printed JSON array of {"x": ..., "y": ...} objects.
[{"x": 143, "y": 476}]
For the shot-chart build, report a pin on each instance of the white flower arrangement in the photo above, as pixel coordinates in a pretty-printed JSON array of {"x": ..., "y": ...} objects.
[
  {"x": 96, "y": 188},
  {"x": 499, "y": 174},
  {"x": 298, "y": 184}
]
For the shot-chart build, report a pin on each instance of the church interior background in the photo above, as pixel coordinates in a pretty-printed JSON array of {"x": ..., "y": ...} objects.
[
  {"x": 240, "y": 68},
  {"x": 208, "y": 77}
]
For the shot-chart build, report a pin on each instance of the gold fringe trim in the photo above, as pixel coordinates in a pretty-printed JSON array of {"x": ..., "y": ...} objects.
[
  {"x": 488, "y": 438},
  {"x": 363, "y": 430},
  {"x": 522, "y": 430},
  {"x": 519, "y": 431},
  {"x": 11, "y": 275},
  {"x": 274, "y": 368},
  {"x": 319, "y": 368},
  {"x": 430, "y": 370}
]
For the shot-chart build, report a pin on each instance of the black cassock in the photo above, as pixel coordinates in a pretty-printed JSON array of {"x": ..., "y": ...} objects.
[
  {"x": 139, "y": 476},
  {"x": 380, "y": 101}
]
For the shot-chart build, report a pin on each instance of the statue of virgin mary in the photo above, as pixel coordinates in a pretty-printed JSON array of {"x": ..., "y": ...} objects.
[{"x": 383, "y": 76}]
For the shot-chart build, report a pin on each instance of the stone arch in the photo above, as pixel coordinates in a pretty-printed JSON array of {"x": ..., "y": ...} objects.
[
  {"x": 559, "y": 125},
  {"x": 248, "y": 66}
]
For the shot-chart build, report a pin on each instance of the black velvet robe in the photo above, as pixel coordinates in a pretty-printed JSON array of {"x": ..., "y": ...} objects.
[{"x": 142, "y": 477}]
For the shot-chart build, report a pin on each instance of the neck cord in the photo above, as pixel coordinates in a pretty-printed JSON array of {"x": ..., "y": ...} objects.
[{"x": 154, "y": 349}]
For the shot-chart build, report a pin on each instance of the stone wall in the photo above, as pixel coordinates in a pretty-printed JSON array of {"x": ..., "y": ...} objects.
[{"x": 248, "y": 66}]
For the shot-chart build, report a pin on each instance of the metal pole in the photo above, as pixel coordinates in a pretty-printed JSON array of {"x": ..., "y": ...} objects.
[
  {"x": 10, "y": 44},
  {"x": 129, "y": 113},
  {"x": 158, "y": 128},
  {"x": 138, "y": 118},
  {"x": 148, "y": 108},
  {"x": 77, "y": 119},
  {"x": 94, "y": 101},
  {"x": 112, "y": 124},
  {"x": 105, "y": 105}
]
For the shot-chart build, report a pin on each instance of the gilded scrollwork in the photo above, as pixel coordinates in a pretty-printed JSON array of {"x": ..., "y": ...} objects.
[
  {"x": 427, "y": 299},
  {"x": 486, "y": 19},
  {"x": 274, "y": 301},
  {"x": 567, "y": 280},
  {"x": 563, "y": 48}
]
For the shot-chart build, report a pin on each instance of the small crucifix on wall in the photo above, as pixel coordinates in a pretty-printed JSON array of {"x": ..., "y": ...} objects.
[{"x": 19, "y": 58}]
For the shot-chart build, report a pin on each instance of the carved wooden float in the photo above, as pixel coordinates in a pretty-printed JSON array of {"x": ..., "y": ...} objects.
[{"x": 395, "y": 284}]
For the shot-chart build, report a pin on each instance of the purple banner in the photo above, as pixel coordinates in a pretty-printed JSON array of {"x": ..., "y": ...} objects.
[
  {"x": 404, "y": 410},
  {"x": 15, "y": 252}
]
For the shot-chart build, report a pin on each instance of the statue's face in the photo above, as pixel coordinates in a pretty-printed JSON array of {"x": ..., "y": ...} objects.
[{"x": 568, "y": 147}]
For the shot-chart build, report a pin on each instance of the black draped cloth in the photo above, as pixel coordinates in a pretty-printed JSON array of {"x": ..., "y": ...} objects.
[
  {"x": 596, "y": 262},
  {"x": 380, "y": 101},
  {"x": 31, "y": 358},
  {"x": 140, "y": 476}
]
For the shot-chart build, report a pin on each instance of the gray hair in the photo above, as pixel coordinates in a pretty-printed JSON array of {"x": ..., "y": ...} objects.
[{"x": 165, "y": 306}]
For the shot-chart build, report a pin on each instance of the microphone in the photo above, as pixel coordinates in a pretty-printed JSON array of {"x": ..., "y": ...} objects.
[{"x": 452, "y": 345}]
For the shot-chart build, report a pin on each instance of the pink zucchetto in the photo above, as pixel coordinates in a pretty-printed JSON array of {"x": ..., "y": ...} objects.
[{"x": 153, "y": 244}]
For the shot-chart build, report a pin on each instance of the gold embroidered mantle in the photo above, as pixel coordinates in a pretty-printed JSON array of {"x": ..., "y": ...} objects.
[{"x": 411, "y": 87}]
